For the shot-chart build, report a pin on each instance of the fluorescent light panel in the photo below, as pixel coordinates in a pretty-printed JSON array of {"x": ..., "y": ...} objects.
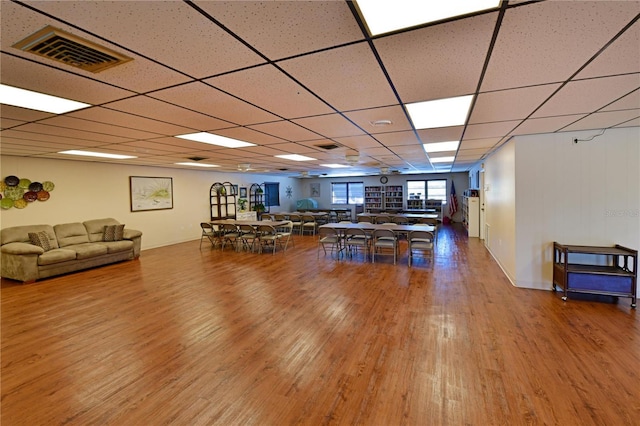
[
  {"x": 442, "y": 159},
  {"x": 295, "y": 157},
  {"x": 334, "y": 166},
  {"x": 441, "y": 146},
  {"x": 212, "y": 139},
  {"x": 97, "y": 154},
  {"x": 22, "y": 98},
  {"x": 383, "y": 16},
  {"x": 197, "y": 164},
  {"x": 440, "y": 113}
]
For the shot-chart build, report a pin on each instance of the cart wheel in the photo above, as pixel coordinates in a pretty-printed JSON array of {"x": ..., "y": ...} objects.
[
  {"x": 633, "y": 305},
  {"x": 564, "y": 298}
]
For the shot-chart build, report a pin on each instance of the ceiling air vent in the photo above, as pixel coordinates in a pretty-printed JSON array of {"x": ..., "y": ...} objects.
[
  {"x": 61, "y": 46},
  {"x": 196, "y": 158},
  {"x": 328, "y": 146}
]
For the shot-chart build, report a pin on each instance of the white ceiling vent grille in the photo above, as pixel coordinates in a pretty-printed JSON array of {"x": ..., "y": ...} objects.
[{"x": 61, "y": 46}]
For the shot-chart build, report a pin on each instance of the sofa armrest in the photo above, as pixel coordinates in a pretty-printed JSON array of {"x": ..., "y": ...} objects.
[
  {"x": 20, "y": 261},
  {"x": 130, "y": 234},
  {"x": 22, "y": 248}
]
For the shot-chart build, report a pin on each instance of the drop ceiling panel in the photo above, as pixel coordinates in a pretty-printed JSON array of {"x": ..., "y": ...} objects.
[
  {"x": 510, "y": 104},
  {"x": 70, "y": 122},
  {"x": 630, "y": 101},
  {"x": 366, "y": 119},
  {"x": 6, "y": 123},
  {"x": 479, "y": 143},
  {"x": 22, "y": 114},
  {"x": 442, "y": 134},
  {"x": 297, "y": 148},
  {"x": 585, "y": 96},
  {"x": 489, "y": 130},
  {"x": 168, "y": 113},
  {"x": 168, "y": 145},
  {"x": 279, "y": 93},
  {"x": 19, "y": 133},
  {"x": 438, "y": 61},
  {"x": 603, "y": 120},
  {"x": 196, "y": 46},
  {"x": 542, "y": 42},
  {"x": 43, "y": 146},
  {"x": 285, "y": 130},
  {"x": 117, "y": 118},
  {"x": 208, "y": 100},
  {"x": 280, "y": 29},
  {"x": 631, "y": 123},
  {"x": 71, "y": 133},
  {"x": 358, "y": 142},
  {"x": 399, "y": 138},
  {"x": 348, "y": 78},
  {"x": 329, "y": 126},
  {"x": 621, "y": 57},
  {"x": 249, "y": 135},
  {"x": 53, "y": 81},
  {"x": 545, "y": 125}
]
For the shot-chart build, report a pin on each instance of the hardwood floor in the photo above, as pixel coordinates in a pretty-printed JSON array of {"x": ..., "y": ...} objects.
[{"x": 197, "y": 337}]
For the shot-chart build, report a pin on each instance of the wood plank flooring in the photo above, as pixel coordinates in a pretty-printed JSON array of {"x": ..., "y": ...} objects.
[{"x": 203, "y": 337}]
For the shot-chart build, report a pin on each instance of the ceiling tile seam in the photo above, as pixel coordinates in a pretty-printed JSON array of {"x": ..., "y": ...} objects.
[
  {"x": 616, "y": 100},
  {"x": 485, "y": 66}
]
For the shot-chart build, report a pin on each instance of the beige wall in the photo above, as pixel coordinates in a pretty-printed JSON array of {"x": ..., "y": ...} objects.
[{"x": 86, "y": 190}]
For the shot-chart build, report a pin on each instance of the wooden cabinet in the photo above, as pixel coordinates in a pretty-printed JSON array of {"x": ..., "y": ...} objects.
[
  {"x": 222, "y": 199},
  {"x": 471, "y": 215},
  {"x": 610, "y": 271}
]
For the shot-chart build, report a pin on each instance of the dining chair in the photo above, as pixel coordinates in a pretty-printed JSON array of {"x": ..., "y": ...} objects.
[
  {"x": 421, "y": 241},
  {"x": 308, "y": 223},
  {"x": 296, "y": 219},
  {"x": 209, "y": 232},
  {"x": 355, "y": 238},
  {"x": 286, "y": 233},
  {"x": 384, "y": 240},
  {"x": 248, "y": 236},
  {"x": 268, "y": 237},
  {"x": 328, "y": 236},
  {"x": 229, "y": 234}
]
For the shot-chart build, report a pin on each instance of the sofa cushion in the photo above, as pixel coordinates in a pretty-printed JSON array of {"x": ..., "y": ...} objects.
[
  {"x": 95, "y": 228},
  {"x": 56, "y": 256},
  {"x": 87, "y": 250},
  {"x": 71, "y": 234},
  {"x": 118, "y": 246},
  {"x": 40, "y": 239},
  {"x": 113, "y": 232},
  {"x": 20, "y": 234}
]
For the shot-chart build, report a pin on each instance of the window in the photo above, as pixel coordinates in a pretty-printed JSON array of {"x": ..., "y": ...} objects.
[
  {"x": 435, "y": 189},
  {"x": 347, "y": 193},
  {"x": 272, "y": 191}
]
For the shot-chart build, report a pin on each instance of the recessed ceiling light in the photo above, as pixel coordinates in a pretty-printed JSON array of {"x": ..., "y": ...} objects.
[
  {"x": 381, "y": 16},
  {"x": 334, "y": 166},
  {"x": 440, "y": 113},
  {"x": 197, "y": 164},
  {"x": 212, "y": 139},
  {"x": 441, "y": 146},
  {"x": 295, "y": 157},
  {"x": 38, "y": 101},
  {"x": 97, "y": 154},
  {"x": 442, "y": 159}
]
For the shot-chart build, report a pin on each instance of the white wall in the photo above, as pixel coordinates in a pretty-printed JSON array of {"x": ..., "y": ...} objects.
[
  {"x": 545, "y": 188},
  {"x": 87, "y": 190}
]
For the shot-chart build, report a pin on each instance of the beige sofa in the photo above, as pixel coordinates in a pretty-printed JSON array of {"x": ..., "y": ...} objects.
[{"x": 73, "y": 246}]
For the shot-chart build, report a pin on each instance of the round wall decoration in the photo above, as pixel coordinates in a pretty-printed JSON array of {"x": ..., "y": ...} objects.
[{"x": 20, "y": 192}]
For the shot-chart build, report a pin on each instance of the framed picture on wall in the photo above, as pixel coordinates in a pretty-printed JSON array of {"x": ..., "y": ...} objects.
[
  {"x": 315, "y": 189},
  {"x": 243, "y": 192},
  {"x": 151, "y": 193}
]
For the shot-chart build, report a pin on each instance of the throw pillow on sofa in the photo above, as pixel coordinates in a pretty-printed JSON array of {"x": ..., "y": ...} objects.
[
  {"x": 113, "y": 233},
  {"x": 40, "y": 239}
]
